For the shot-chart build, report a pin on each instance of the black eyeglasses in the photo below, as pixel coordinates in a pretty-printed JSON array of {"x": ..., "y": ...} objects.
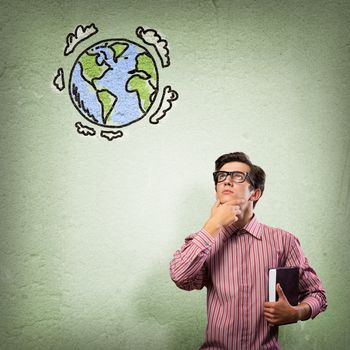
[{"x": 236, "y": 176}]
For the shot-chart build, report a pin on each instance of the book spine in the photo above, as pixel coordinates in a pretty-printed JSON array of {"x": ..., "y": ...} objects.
[{"x": 272, "y": 284}]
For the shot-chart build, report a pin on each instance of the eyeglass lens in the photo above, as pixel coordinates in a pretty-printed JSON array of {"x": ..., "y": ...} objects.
[{"x": 236, "y": 176}]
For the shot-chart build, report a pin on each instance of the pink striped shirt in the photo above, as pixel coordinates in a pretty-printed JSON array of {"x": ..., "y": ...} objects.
[{"x": 234, "y": 267}]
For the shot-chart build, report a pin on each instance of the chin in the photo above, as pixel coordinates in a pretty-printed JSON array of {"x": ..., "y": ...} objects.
[{"x": 225, "y": 198}]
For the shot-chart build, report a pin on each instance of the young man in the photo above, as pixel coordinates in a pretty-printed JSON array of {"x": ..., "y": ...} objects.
[{"x": 231, "y": 256}]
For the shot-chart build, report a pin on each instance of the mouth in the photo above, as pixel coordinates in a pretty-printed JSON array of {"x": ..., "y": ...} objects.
[{"x": 227, "y": 192}]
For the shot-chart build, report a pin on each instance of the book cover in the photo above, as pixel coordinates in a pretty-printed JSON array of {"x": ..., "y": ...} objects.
[{"x": 288, "y": 278}]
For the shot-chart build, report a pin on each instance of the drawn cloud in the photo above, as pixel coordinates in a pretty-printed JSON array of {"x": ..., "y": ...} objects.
[
  {"x": 111, "y": 135},
  {"x": 150, "y": 36},
  {"x": 84, "y": 130},
  {"x": 81, "y": 33},
  {"x": 58, "y": 81},
  {"x": 165, "y": 105}
]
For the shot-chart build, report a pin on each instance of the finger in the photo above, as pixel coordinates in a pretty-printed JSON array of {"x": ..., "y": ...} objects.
[
  {"x": 268, "y": 309},
  {"x": 217, "y": 203},
  {"x": 273, "y": 323},
  {"x": 271, "y": 320},
  {"x": 236, "y": 213},
  {"x": 236, "y": 209},
  {"x": 269, "y": 315},
  {"x": 280, "y": 292}
]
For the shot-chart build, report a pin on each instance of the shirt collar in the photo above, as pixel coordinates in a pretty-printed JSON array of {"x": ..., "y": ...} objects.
[{"x": 252, "y": 227}]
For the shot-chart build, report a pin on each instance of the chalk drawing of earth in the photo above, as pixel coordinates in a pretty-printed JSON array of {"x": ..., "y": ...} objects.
[{"x": 114, "y": 83}]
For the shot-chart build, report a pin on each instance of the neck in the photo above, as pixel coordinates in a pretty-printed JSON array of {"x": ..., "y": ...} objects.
[{"x": 244, "y": 218}]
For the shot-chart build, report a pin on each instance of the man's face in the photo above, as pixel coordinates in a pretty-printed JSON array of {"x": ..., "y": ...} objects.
[{"x": 228, "y": 190}]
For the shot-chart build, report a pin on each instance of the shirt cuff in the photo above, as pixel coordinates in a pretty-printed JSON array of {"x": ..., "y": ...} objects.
[
  {"x": 314, "y": 305},
  {"x": 203, "y": 240}
]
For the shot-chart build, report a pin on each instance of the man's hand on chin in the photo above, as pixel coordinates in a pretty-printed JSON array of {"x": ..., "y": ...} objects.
[{"x": 223, "y": 215}]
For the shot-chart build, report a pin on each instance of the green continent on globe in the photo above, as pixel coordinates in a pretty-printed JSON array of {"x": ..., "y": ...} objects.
[
  {"x": 143, "y": 89},
  {"x": 145, "y": 63},
  {"x": 107, "y": 100},
  {"x": 90, "y": 68},
  {"x": 144, "y": 82},
  {"x": 118, "y": 50}
]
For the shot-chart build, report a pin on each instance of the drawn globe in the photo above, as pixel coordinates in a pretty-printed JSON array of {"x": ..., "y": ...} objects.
[{"x": 114, "y": 83}]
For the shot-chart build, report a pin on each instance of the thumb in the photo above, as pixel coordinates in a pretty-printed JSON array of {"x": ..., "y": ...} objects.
[
  {"x": 280, "y": 292},
  {"x": 217, "y": 203}
]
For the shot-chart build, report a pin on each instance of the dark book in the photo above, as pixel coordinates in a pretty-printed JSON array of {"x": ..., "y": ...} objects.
[{"x": 288, "y": 278}]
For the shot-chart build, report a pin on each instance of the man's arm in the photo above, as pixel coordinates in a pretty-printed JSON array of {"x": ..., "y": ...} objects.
[
  {"x": 188, "y": 266},
  {"x": 312, "y": 296},
  {"x": 311, "y": 291}
]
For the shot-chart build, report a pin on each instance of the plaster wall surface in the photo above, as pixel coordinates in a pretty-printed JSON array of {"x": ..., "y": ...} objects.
[{"x": 88, "y": 226}]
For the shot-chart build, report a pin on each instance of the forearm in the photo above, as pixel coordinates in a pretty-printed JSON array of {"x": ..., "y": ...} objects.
[
  {"x": 316, "y": 299},
  {"x": 303, "y": 312},
  {"x": 212, "y": 227},
  {"x": 187, "y": 268}
]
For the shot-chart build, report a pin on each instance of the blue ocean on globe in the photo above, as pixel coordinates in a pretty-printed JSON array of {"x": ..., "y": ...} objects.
[{"x": 114, "y": 83}]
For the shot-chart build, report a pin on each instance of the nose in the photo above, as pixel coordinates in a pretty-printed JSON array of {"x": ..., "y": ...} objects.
[{"x": 228, "y": 181}]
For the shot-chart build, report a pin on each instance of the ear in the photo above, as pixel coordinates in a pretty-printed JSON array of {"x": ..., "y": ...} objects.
[{"x": 256, "y": 194}]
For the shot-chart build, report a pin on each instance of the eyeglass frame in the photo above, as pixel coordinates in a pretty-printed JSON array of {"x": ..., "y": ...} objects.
[{"x": 231, "y": 173}]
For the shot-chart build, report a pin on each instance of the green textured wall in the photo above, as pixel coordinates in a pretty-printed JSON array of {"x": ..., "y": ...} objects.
[{"x": 88, "y": 226}]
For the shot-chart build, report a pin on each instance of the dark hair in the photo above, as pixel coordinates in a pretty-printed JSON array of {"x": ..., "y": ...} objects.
[{"x": 257, "y": 175}]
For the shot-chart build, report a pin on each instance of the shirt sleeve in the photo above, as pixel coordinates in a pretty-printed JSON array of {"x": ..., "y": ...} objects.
[
  {"x": 188, "y": 267},
  {"x": 311, "y": 290}
]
